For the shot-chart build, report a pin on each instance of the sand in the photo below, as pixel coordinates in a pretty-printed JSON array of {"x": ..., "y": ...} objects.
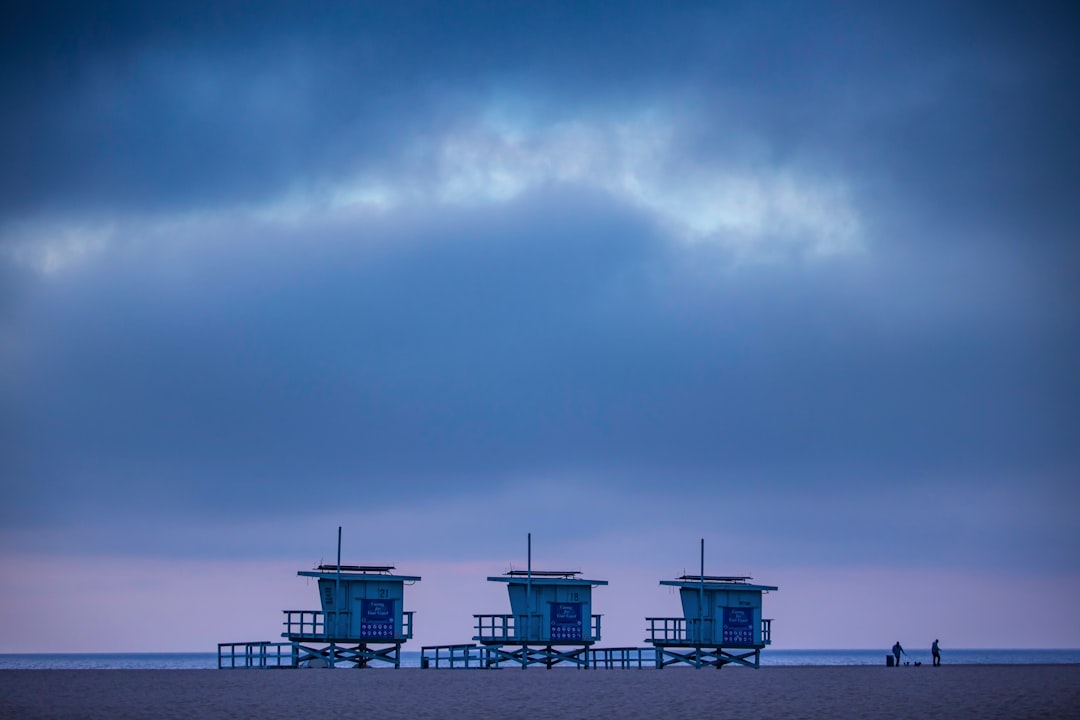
[{"x": 971, "y": 691}]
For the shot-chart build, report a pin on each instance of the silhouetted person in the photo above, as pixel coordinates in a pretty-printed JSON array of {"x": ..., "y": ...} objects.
[
  {"x": 936, "y": 653},
  {"x": 897, "y": 651}
]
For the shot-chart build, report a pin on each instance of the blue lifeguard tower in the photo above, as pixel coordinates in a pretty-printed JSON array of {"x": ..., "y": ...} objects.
[
  {"x": 362, "y": 622},
  {"x": 721, "y": 622},
  {"x": 550, "y": 622},
  {"x": 550, "y": 619}
]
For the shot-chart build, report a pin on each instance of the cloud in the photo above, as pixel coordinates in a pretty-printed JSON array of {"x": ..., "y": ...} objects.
[{"x": 753, "y": 212}]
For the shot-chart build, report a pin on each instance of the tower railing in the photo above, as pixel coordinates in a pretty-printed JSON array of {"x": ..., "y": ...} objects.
[
  {"x": 526, "y": 627},
  {"x": 307, "y": 623},
  {"x": 688, "y": 631},
  {"x": 261, "y": 654},
  {"x": 507, "y": 628},
  {"x": 320, "y": 625}
]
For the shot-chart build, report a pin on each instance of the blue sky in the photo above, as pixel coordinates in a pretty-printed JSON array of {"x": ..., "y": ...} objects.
[{"x": 797, "y": 279}]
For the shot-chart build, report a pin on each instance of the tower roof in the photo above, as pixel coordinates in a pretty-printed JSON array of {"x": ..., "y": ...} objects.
[
  {"x": 357, "y": 572},
  {"x": 716, "y": 583}
]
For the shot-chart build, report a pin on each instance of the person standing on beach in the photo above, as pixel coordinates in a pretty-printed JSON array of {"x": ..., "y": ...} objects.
[
  {"x": 936, "y": 653},
  {"x": 897, "y": 651}
]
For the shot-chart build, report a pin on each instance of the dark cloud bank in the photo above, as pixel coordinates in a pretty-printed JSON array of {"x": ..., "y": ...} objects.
[{"x": 439, "y": 351}]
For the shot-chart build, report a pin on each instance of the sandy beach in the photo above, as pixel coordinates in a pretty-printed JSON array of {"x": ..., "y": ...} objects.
[{"x": 972, "y": 691}]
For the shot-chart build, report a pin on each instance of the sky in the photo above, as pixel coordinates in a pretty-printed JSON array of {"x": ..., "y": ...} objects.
[{"x": 798, "y": 279}]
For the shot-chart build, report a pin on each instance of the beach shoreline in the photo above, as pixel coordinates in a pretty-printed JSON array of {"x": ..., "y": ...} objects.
[{"x": 957, "y": 691}]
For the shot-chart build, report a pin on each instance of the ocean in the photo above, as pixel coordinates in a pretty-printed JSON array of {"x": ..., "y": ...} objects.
[{"x": 769, "y": 658}]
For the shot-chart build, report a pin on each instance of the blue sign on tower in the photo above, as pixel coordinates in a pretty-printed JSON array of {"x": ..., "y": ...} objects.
[
  {"x": 566, "y": 621},
  {"x": 738, "y": 626},
  {"x": 377, "y": 619}
]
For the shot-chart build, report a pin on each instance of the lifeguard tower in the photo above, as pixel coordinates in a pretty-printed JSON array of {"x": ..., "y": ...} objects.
[
  {"x": 721, "y": 622},
  {"x": 550, "y": 622},
  {"x": 362, "y": 622}
]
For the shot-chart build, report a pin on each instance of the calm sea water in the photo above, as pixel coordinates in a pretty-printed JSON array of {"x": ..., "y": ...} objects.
[{"x": 203, "y": 661}]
